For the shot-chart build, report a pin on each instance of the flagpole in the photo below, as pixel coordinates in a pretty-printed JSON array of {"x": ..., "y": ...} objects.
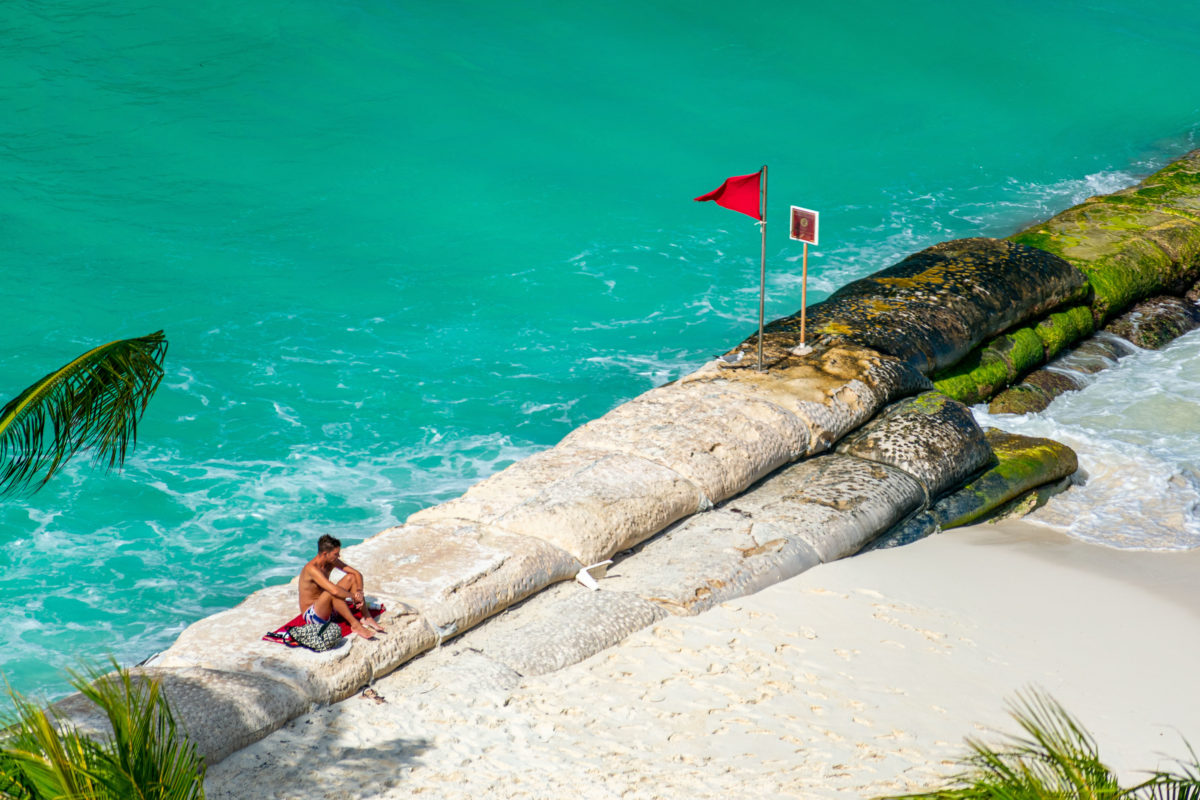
[{"x": 762, "y": 267}]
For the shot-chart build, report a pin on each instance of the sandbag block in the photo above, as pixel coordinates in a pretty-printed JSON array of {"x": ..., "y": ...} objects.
[
  {"x": 719, "y": 440},
  {"x": 707, "y": 559},
  {"x": 834, "y": 503},
  {"x": 590, "y": 503},
  {"x": 458, "y": 573},
  {"x": 931, "y": 437}
]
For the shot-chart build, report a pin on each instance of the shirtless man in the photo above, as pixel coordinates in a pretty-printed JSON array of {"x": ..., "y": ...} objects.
[{"x": 321, "y": 597}]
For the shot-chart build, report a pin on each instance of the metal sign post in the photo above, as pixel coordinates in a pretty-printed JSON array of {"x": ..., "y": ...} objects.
[{"x": 804, "y": 229}]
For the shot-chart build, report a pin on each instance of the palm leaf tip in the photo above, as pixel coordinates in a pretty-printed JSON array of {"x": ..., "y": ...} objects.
[
  {"x": 141, "y": 754},
  {"x": 94, "y": 401},
  {"x": 1054, "y": 758}
]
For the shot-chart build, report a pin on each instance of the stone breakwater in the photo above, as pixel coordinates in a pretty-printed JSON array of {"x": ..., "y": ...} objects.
[{"x": 727, "y": 480}]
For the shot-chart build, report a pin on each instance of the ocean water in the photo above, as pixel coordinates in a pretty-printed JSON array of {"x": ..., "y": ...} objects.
[
  {"x": 397, "y": 246},
  {"x": 1135, "y": 428}
]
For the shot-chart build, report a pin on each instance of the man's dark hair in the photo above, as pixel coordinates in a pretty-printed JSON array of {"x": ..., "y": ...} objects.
[{"x": 327, "y": 544}]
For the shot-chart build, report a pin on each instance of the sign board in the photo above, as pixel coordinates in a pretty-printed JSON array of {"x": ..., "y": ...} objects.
[{"x": 804, "y": 225}]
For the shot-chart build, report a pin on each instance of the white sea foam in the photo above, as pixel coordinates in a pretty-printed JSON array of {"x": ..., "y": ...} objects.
[
  {"x": 218, "y": 530},
  {"x": 655, "y": 370},
  {"x": 1136, "y": 429}
]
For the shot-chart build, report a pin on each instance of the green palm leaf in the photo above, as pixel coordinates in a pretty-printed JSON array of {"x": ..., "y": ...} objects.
[
  {"x": 94, "y": 401},
  {"x": 1055, "y": 759},
  {"x": 144, "y": 756}
]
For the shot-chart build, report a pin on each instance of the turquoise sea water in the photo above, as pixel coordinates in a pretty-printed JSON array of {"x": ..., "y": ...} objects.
[{"x": 397, "y": 246}]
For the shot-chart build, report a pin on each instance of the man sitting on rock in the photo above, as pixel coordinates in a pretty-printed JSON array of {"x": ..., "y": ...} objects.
[{"x": 321, "y": 598}]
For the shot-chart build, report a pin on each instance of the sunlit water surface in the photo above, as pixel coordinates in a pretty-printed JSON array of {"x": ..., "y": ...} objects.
[{"x": 398, "y": 246}]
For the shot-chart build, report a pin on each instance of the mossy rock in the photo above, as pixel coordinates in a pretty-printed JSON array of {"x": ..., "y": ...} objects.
[
  {"x": 1176, "y": 186},
  {"x": 1134, "y": 243},
  {"x": 1001, "y": 362},
  {"x": 1022, "y": 463},
  {"x": 1060, "y": 330},
  {"x": 1025, "y": 504},
  {"x": 995, "y": 366},
  {"x": 1054, "y": 383},
  {"x": 1023, "y": 399},
  {"x": 935, "y": 306},
  {"x": 1154, "y": 323},
  {"x": 1150, "y": 324}
]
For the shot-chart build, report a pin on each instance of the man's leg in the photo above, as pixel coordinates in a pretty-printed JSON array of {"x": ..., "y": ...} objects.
[
  {"x": 338, "y": 604},
  {"x": 353, "y": 584}
]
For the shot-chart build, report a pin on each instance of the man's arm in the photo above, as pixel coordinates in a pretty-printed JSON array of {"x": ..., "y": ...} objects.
[
  {"x": 357, "y": 580},
  {"x": 327, "y": 585}
]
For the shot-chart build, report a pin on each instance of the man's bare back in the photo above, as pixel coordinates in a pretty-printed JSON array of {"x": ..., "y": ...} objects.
[{"x": 321, "y": 598}]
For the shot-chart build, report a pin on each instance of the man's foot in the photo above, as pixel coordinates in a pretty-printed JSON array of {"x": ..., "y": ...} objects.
[
  {"x": 372, "y": 624},
  {"x": 362, "y": 631}
]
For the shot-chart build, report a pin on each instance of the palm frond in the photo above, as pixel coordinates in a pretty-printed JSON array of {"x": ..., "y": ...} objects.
[
  {"x": 1182, "y": 783},
  {"x": 95, "y": 401},
  {"x": 1055, "y": 759},
  {"x": 145, "y": 758}
]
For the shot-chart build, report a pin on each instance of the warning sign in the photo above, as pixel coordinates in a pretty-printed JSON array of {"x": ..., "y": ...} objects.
[{"x": 804, "y": 225}]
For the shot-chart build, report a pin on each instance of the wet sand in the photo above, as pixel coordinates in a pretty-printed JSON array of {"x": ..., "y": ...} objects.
[{"x": 854, "y": 679}]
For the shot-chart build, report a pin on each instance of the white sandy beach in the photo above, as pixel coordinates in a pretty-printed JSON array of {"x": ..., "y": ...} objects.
[{"x": 854, "y": 679}]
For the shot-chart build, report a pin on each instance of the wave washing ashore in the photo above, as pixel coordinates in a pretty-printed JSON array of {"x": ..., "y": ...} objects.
[{"x": 1136, "y": 430}]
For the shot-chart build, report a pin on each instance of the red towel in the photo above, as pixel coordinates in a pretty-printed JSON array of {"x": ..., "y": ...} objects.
[{"x": 279, "y": 635}]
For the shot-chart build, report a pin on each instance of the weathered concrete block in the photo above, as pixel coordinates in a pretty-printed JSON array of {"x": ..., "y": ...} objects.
[
  {"x": 458, "y": 573},
  {"x": 834, "y": 503},
  {"x": 589, "y": 503},
  {"x": 931, "y": 437},
  {"x": 721, "y": 441}
]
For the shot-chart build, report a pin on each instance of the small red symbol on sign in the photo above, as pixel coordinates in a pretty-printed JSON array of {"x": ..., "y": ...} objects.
[{"x": 804, "y": 225}]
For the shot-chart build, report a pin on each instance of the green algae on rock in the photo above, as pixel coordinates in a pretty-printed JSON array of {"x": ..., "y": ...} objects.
[
  {"x": 1130, "y": 245},
  {"x": 1150, "y": 324},
  {"x": 1022, "y": 464},
  {"x": 1133, "y": 243},
  {"x": 1060, "y": 330},
  {"x": 1024, "y": 398},
  {"x": 1000, "y": 363},
  {"x": 931, "y": 437},
  {"x": 993, "y": 367},
  {"x": 935, "y": 306}
]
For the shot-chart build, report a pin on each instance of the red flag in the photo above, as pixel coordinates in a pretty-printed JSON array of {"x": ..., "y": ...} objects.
[{"x": 739, "y": 193}]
